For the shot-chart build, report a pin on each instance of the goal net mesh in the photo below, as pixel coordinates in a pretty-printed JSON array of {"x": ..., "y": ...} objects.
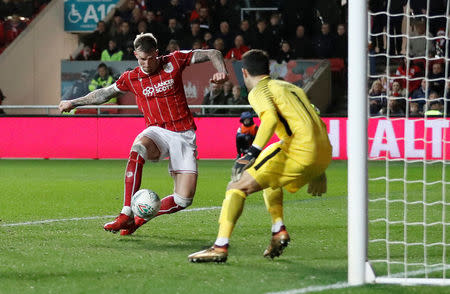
[{"x": 409, "y": 139}]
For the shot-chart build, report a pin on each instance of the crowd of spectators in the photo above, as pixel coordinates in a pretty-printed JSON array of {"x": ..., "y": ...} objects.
[
  {"x": 226, "y": 94},
  {"x": 293, "y": 30},
  {"x": 15, "y": 15},
  {"x": 414, "y": 75}
]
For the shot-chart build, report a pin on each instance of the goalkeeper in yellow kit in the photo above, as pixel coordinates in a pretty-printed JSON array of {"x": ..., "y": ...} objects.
[{"x": 300, "y": 157}]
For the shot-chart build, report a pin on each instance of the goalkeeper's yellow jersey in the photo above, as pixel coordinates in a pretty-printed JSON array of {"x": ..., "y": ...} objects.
[{"x": 303, "y": 134}]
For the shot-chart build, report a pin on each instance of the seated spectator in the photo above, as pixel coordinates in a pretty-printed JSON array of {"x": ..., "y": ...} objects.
[
  {"x": 227, "y": 89},
  {"x": 174, "y": 10},
  {"x": 114, "y": 27},
  {"x": 236, "y": 99},
  {"x": 208, "y": 41},
  {"x": 419, "y": 96},
  {"x": 323, "y": 43},
  {"x": 395, "y": 107},
  {"x": 197, "y": 44},
  {"x": 79, "y": 89},
  {"x": 219, "y": 45},
  {"x": 301, "y": 44},
  {"x": 142, "y": 27},
  {"x": 136, "y": 17},
  {"x": 435, "y": 104},
  {"x": 86, "y": 54},
  {"x": 413, "y": 74},
  {"x": 397, "y": 90},
  {"x": 215, "y": 96},
  {"x": 172, "y": 46},
  {"x": 128, "y": 52},
  {"x": 246, "y": 133},
  {"x": 103, "y": 79},
  {"x": 238, "y": 49},
  {"x": 285, "y": 54},
  {"x": 414, "y": 110},
  {"x": 195, "y": 13},
  {"x": 377, "y": 97},
  {"x": 341, "y": 42},
  {"x": 112, "y": 53},
  {"x": 437, "y": 78}
]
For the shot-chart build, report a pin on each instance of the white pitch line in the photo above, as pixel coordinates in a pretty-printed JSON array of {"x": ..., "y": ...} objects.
[
  {"x": 309, "y": 289},
  {"x": 47, "y": 221}
]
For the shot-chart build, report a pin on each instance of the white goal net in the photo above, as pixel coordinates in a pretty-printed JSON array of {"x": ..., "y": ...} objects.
[{"x": 408, "y": 101}]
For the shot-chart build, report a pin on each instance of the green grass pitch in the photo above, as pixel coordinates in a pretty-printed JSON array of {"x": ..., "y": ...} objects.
[{"x": 77, "y": 256}]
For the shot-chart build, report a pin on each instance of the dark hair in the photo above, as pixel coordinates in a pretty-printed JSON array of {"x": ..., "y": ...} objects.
[
  {"x": 102, "y": 65},
  {"x": 256, "y": 62},
  {"x": 145, "y": 42}
]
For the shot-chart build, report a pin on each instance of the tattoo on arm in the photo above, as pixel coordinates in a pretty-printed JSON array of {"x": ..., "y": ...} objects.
[
  {"x": 215, "y": 56},
  {"x": 98, "y": 96}
]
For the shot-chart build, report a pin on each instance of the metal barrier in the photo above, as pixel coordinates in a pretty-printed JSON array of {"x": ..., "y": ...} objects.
[{"x": 98, "y": 107}]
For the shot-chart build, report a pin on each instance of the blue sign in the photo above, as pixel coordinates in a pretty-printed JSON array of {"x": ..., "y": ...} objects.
[{"x": 83, "y": 15}]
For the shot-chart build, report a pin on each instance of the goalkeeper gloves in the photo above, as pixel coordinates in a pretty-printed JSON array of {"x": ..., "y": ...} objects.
[
  {"x": 318, "y": 185},
  {"x": 241, "y": 164}
]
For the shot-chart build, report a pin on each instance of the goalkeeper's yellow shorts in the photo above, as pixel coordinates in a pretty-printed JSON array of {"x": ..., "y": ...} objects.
[{"x": 274, "y": 168}]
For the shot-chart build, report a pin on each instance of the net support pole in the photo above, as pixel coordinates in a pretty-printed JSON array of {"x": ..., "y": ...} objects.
[{"x": 357, "y": 142}]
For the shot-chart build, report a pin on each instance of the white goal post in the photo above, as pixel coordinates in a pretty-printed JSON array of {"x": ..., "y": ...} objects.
[{"x": 399, "y": 233}]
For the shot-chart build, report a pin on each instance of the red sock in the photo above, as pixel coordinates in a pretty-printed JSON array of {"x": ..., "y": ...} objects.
[
  {"x": 133, "y": 176},
  {"x": 168, "y": 205}
]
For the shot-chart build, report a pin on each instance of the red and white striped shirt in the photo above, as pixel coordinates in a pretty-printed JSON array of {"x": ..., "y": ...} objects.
[{"x": 160, "y": 96}]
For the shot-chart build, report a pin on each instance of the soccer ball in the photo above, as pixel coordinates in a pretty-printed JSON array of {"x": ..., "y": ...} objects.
[{"x": 145, "y": 203}]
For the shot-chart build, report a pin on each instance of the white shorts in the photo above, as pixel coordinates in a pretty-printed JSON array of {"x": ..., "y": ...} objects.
[{"x": 180, "y": 147}]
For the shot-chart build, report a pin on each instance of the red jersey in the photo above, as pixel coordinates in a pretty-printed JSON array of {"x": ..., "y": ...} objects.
[{"x": 160, "y": 96}]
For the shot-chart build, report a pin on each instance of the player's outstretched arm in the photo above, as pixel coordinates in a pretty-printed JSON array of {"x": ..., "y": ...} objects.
[
  {"x": 96, "y": 97},
  {"x": 216, "y": 58}
]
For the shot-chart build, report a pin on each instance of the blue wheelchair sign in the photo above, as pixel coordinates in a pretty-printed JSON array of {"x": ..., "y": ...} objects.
[{"x": 83, "y": 15}]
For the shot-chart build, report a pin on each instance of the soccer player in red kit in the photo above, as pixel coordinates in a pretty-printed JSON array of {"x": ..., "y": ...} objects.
[{"x": 158, "y": 87}]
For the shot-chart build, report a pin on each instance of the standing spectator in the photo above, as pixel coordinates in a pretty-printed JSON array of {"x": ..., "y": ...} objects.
[
  {"x": 440, "y": 44},
  {"x": 225, "y": 34},
  {"x": 246, "y": 32},
  {"x": 377, "y": 97},
  {"x": 395, "y": 26},
  {"x": 204, "y": 19},
  {"x": 324, "y": 43},
  {"x": 174, "y": 10},
  {"x": 378, "y": 23},
  {"x": 238, "y": 49},
  {"x": 223, "y": 11},
  {"x": 341, "y": 42},
  {"x": 285, "y": 53},
  {"x": 124, "y": 36},
  {"x": 437, "y": 78},
  {"x": 194, "y": 35},
  {"x": 262, "y": 38},
  {"x": 174, "y": 30},
  {"x": 236, "y": 99},
  {"x": 419, "y": 43},
  {"x": 114, "y": 28},
  {"x": 99, "y": 39},
  {"x": 86, "y": 54},
  {"x": 419, "y": 98},
  {"x": 215, "y": 96},
  {"x": 113, "y": 53},
  {"x": 275, "y": 32},
  {"x": 301, "y": 44},
  {"x": 246, "y": 133}
]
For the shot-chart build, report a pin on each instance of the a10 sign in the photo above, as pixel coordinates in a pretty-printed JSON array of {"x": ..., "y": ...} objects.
[{"x": 83, "y": 15}]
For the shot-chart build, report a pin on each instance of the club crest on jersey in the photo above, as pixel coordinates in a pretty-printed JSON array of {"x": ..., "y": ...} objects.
[
  {"x": 168, "y": 67},
  {"x": 158, "y": 88}
]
